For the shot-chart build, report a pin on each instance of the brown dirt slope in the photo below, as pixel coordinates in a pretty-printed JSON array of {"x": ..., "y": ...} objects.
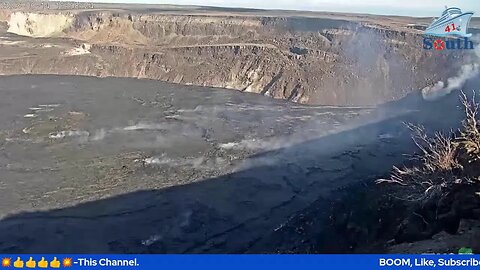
[{"x": 314, "y": 58}]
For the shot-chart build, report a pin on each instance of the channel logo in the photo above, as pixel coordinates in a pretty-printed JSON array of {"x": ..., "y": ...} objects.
[
  {"x": 450, "y": 30},
  {"x": 449, "y": 44}
]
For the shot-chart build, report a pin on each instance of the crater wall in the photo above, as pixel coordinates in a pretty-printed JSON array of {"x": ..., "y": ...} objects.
[{"x": 315, "y": 60}]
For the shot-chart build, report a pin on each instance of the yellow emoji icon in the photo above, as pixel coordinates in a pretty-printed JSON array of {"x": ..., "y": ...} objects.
[
  {"x": 6, "y": 262},
  {"x": 18, "y": 263},
  {"x": 55, "y": 263},
  {"x": 31, "y": 263},
  {"x": 67, "y": 262},
  {"x": 42, "y": 263}
]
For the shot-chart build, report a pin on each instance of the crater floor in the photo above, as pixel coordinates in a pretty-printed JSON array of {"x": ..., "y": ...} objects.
[{"x": 126, "y": 165}]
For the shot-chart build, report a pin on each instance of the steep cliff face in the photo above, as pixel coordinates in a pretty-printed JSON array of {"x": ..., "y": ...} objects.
[
  {"x": 307, "y": 60},
  {"x": 38, "y": 25}
]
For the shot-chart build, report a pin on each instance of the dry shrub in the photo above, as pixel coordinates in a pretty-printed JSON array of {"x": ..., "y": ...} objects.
[
  {"x": 444, "y": 160},
  {"x": 468, "y": 140}
]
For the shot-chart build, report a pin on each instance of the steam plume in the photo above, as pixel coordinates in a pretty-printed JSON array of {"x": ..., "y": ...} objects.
[
  {"x": 467, "y": 72},
  {"x": 454, "y": 83}
]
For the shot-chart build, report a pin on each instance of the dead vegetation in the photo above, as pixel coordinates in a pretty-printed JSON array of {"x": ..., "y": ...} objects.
[
  {"x": 441, "y": 187},
  {"x": 443, "y": 160}
]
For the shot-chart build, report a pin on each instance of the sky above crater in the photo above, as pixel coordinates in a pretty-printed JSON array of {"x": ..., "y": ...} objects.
[{"x": 387, "y": 7}]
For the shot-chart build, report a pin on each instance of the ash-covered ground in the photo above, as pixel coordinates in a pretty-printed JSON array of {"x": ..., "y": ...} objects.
[
  {"x": 124, "y": 165},
  {"x": 138, "y": 166}
]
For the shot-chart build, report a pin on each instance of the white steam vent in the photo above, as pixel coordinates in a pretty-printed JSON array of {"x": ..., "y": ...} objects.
[
  {"x": 441, "y": 89},
  {"x": 38, "y": 25},
  {"x": 466, "y": 72}
]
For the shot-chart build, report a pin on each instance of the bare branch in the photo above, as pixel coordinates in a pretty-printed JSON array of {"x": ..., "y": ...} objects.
[{"x": 442, "y": 158}]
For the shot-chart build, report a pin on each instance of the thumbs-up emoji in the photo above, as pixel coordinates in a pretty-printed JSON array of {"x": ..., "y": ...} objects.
[
  {"x": 55, "y": 263},
  {"x": 31, "y": 263},
  {"x": 42, "y": 263},
  {"x": 18, "y": 263}
]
